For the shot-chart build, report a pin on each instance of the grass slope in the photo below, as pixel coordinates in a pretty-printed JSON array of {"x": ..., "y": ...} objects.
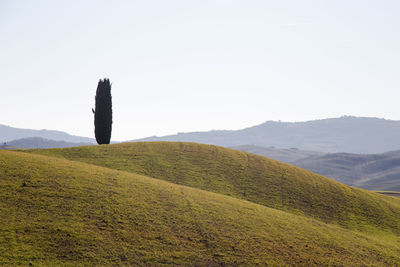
[
  {"x": 246, "y": 176},
  {"x": 57, "y": 212}
]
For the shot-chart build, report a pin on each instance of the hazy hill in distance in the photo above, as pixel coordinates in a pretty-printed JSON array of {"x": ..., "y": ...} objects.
[
  {"x": 373, "y": 171},
  {"x": 369, "y": 171},
  {"x": 8, "y": 133},
  {"x": 288, "y": 155},
  {"x": 38, "y": 142},
  {"x": 345, "y": 134}
]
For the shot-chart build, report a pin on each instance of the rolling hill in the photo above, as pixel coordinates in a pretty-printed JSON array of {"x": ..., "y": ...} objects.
[
  {"x": 345, "y": 134},
  {"x": 54, "y": 211},
  {"x": 245, "y": 176}
]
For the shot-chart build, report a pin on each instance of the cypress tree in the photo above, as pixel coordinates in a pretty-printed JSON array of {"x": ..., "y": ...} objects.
[{"x": 103, "y": 112}]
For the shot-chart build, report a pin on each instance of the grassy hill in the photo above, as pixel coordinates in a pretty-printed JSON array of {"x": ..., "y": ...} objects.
[
  {"x": 246, "y": 176},
  {"x": 58, "y": 212}
]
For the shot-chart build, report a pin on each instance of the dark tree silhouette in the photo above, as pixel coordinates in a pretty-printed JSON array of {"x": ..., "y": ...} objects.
[{"x": 103, "y": 112}]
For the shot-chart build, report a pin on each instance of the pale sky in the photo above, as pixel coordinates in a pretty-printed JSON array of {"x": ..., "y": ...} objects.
[{"x": 179, "y": 66}]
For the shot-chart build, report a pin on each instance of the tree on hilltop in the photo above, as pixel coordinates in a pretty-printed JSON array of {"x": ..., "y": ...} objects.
[{"x": 103, "y": 112}]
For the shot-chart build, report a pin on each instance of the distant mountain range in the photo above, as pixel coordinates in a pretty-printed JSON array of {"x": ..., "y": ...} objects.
[
  {"x": 38, "y": 142},
  {"x": 345, "y": 134},
  {"x": 8, "y": 134}
]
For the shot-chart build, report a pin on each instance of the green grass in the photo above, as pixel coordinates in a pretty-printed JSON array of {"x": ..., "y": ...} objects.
[
  {"x": 58, "y": 212},
  {"x": 246, "y": 176}
]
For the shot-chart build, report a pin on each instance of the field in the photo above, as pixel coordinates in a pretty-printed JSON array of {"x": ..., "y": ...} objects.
[{"x": 181, "y": 203}]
